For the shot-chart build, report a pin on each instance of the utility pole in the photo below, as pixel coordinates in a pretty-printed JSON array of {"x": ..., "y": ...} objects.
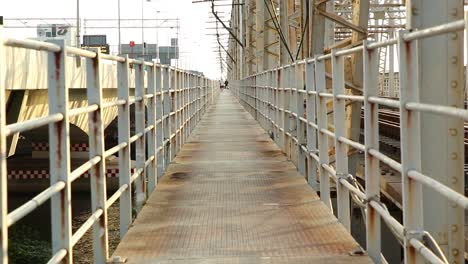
[
  {"x": 142, "y": 30},
  {"x": 77, "y": 23}
]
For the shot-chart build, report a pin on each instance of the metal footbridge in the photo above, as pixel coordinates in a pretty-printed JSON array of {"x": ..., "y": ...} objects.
[{"x": 258, "y": 173}]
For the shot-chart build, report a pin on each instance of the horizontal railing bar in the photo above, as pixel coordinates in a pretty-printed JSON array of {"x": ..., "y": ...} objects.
[
  {"x": 32, "y": 123},
  {"x": 425, "y": 252},
  {"x": 435, "y": 31},
  {"x": 348, "y": 51},
  {"x": 312, "y": 124},
  {"x": 148, "y": 129},
  {"x": 438, "y": 109},
  {"x": 58, "y": 256},
  {"x": 112, "y": 57},
  {"x": 384, "y": 101},
  {"x": 329, "y": 95},
  {"x": 327, "y": 132},
  {"x": 134, "y": 61},
  {"x": 356, "y": 98},
  {"x": 34, "y": 203},
  {"x": 136, "y": 174},
  {"x": 324, "y": 57},
  {"x": 382, "y": 44},
  {"x": 442, "y": 189},
  {"x": 114, "y": 103},
  {"x": 75, "y": 174},
  {"x": 131, "y": 101},
  {"x": 352, "y": 143},
  {"x": 86, "y": 226},
  {"x": 135, "y": 137},
  {"x": 352, "y": 188},
  {"x": 386, "y": 159},
  {"x": 116, "y": 195},
  {"x": 81, "y": 52},
  {"x": 149, "y": 160},
  {"x": 115, "y": 149},
  {"x": 82, "y": 110},
  {"x": 329, "y": 169},
  {"x": 388, "y": 219},
  {"x": 31, "y": 44}
]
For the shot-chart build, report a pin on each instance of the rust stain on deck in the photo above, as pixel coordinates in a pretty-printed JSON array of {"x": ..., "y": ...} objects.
[{"x": 230, "y": 197}]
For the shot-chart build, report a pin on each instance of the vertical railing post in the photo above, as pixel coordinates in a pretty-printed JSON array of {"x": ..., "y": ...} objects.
[
  {"x": 300, "y": 126},
  {"x": 271, "y": 103},
  {"x": 341, "y": 149},
  {"x": 140, "y": 155},
  {"x": 311, "y": 131},
  {"x": 159, "y": 123},
  {"x": 3, "y": 157},
  {"x": 371, "y": 140},
  {"x": 281, "y": 104},
  {"x": 177, "y": 101},
  {"x": 167, "y": 120},
  {"x": 322, "y": 137},
  {"x": 185, "y": 82},
  {"x": 275, "y": 84},
  {"x": 59, "y": 149},
  {"x": 410, "y": 145},
  {"x": 286, "y": 123},
  {"x": 151, "y": 105},
  {"x": 96, "y": 148},
  {"x": 293, "y": 110},
  {"x": 123, "y": 93},
  {"x": 173, "y": 117}
]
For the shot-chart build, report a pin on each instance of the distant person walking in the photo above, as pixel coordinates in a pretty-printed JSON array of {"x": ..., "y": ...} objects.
[{"x": 226, "y": 84}]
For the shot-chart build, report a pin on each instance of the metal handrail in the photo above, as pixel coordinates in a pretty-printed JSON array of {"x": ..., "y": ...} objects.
[
  {"x": 196, "y": 94},
  {"x": 259, "y": 93}
]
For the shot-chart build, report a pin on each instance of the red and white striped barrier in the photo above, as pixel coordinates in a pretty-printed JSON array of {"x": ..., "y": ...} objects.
[
  {"x": 44, "y": 146},
  {"x": 44, "y": 174}
]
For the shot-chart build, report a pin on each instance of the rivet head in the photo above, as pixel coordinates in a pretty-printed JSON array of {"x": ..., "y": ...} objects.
[
  {"x": 454, "y": 228},
  {"x": 454, "y": 36},
  {"x": 454, "y": 12},
  {"x": 454, "y": 180},
  {"x": 454, "y": 60},
  {"x": 455, "y": 252},
  {"x": 453, "y": 131},
  {"x": 454, "y": 156},
  {"x": 454, "y": 84}
]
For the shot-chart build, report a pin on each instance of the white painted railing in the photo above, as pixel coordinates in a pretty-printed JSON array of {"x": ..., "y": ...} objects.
[
  {"x": 276, "y": 99},
  {"x": 166, "y": 111}
]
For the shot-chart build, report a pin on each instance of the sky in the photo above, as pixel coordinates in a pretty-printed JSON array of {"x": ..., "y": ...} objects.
[{"x": 196, "y": 47}]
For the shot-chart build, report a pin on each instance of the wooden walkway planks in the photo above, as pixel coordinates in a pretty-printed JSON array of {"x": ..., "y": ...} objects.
[{"x": 231, "y": 196}]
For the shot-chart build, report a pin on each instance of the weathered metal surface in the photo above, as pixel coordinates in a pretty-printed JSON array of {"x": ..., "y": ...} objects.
[{"x": 231, "y": 196}]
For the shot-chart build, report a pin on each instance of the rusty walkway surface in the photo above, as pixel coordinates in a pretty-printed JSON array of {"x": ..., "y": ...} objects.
[{"x": 231, "y": 196}]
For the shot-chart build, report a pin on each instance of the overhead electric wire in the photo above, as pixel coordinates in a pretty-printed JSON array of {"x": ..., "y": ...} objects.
[{"x": 215, "y": 14}]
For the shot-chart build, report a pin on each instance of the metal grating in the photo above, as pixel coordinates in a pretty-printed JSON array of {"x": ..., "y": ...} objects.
[{"x": 230, "y": 196}]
